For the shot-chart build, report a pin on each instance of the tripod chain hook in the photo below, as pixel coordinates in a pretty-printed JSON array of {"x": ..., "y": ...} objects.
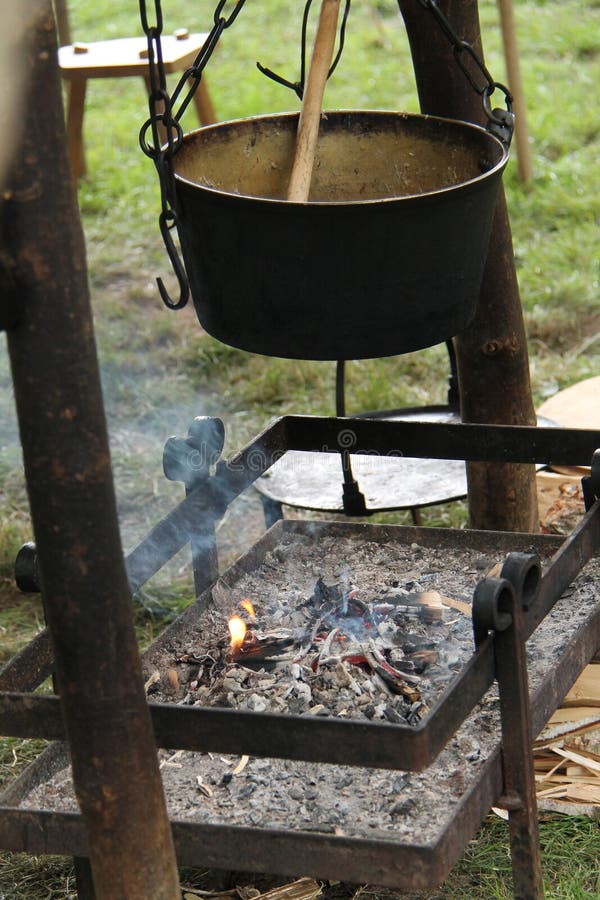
[
  {"x": 161, "y": 135},
  {"x": 501, "y": 122}
]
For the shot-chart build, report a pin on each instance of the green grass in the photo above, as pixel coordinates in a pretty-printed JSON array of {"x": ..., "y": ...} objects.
[{"x": 159, "y": 370}]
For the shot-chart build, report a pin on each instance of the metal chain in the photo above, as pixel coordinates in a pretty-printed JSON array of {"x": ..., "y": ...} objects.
[
  {"x": 500, "y": 122},
  {"x": 161, "y": 135},
  {"x": 298, "y": 86}
]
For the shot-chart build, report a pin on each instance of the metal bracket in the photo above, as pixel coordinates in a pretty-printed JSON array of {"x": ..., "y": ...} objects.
[
  {"x": 502, "y": 124},
  {"x": 524, "y": 572},
  {"x": 494, "y": 598},
  {"x": 590, "y": 484},
  {"x": 27, "y": 576},
  {"x": 492, "y": 602},
  {"x": 190, "y": 460},
  {"x": 498, "y": 605}
]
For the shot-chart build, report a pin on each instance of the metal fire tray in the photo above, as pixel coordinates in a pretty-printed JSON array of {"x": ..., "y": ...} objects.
[{"x": 353, "y": 800}]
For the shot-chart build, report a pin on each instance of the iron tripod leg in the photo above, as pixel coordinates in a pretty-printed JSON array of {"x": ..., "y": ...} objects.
[{"x": 519, "y": 782}]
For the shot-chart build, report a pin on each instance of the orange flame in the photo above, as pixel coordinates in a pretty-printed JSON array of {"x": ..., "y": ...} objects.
[
  {"x": 237, "y": 631},
  {"x": 245, "y": 604}
]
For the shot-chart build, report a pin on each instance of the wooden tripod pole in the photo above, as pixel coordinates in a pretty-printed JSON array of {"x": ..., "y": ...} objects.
[
  {"x": 86, "y": 592},
  {"x": 491, "y": 353},
  {"x": 312, "y": 101}
]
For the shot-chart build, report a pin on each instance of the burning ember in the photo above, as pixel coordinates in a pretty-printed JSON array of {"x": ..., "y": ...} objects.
[
  {"x": 341, "y": 650},
  {"x": 247, "y": 646},
  {"x": 237, "y": 633},
  {"x": 245, "y": 604},
  {"x": 238, "y": 630},
  {"x": 348, "y": 629}
]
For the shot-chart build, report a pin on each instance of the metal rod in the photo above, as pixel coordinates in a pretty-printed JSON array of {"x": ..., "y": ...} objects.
[
  {"x": 340, "y": 388},
  {"x": 340, "y": 411},
  {"x": 353, "y": 500},
  {"x": 30, "y": 667},
  {"x": 203, "y": 541},
  {"x": 517, "y": 759},
  {"x": 575, "y": 552},
  {"x": 422, "y": 440},
  {"x": 66, "y": 456}
]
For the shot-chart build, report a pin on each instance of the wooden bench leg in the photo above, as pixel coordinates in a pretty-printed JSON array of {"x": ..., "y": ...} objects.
[
  {"x": 204, "y": 104},
  {"x": 75, "y": 108}
]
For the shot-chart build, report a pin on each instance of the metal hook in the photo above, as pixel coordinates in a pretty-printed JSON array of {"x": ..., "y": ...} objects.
[
  {"x": 298, "y": 86},
  {"x": 167, "y": 221},
  {"x": 501, "y": 122}
]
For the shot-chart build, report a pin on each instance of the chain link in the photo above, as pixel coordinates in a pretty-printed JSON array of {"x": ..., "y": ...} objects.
[
  {"x": 500, "y": 121},
  {"x": 161, "y": 135}
]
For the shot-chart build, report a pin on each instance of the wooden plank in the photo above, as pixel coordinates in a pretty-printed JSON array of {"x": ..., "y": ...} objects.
[
  {"x": 122, "y": 57},
  {"x": 586, "y": 793},
  {"x": 574, "y": 714},
  {"x": 575, "y": 406},
  {"x": 585, "y": 760},
  {"x": 543, "y": 780},
  {"x": 567, "y": 808},
  {"x": 586, "y": 690}
]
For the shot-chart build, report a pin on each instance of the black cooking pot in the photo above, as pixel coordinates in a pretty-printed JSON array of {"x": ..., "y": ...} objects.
[{"x": 386, "y": 257}]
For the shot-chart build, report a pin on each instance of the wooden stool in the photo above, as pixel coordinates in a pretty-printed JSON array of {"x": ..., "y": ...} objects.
[{"x": 122, "y": 58}]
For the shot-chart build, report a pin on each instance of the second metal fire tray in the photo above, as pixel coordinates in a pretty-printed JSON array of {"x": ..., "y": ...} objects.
[{"x": 333, "y": 604}]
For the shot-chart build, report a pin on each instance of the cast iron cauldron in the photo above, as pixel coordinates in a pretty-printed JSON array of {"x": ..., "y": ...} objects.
[{"x": 386, "y": 257}]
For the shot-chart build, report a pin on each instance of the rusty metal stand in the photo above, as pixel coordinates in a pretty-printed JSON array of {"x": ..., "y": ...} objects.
[
  {"x": 517, "y": 760},
  {"x": 499, "y": 604},
  {"x": 506, "y": 613},
  {"x": 71, "y": 494}
]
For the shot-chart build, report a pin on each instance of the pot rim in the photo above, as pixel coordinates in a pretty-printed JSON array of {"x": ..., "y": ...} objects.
[{"x": 332, "y": 204}]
